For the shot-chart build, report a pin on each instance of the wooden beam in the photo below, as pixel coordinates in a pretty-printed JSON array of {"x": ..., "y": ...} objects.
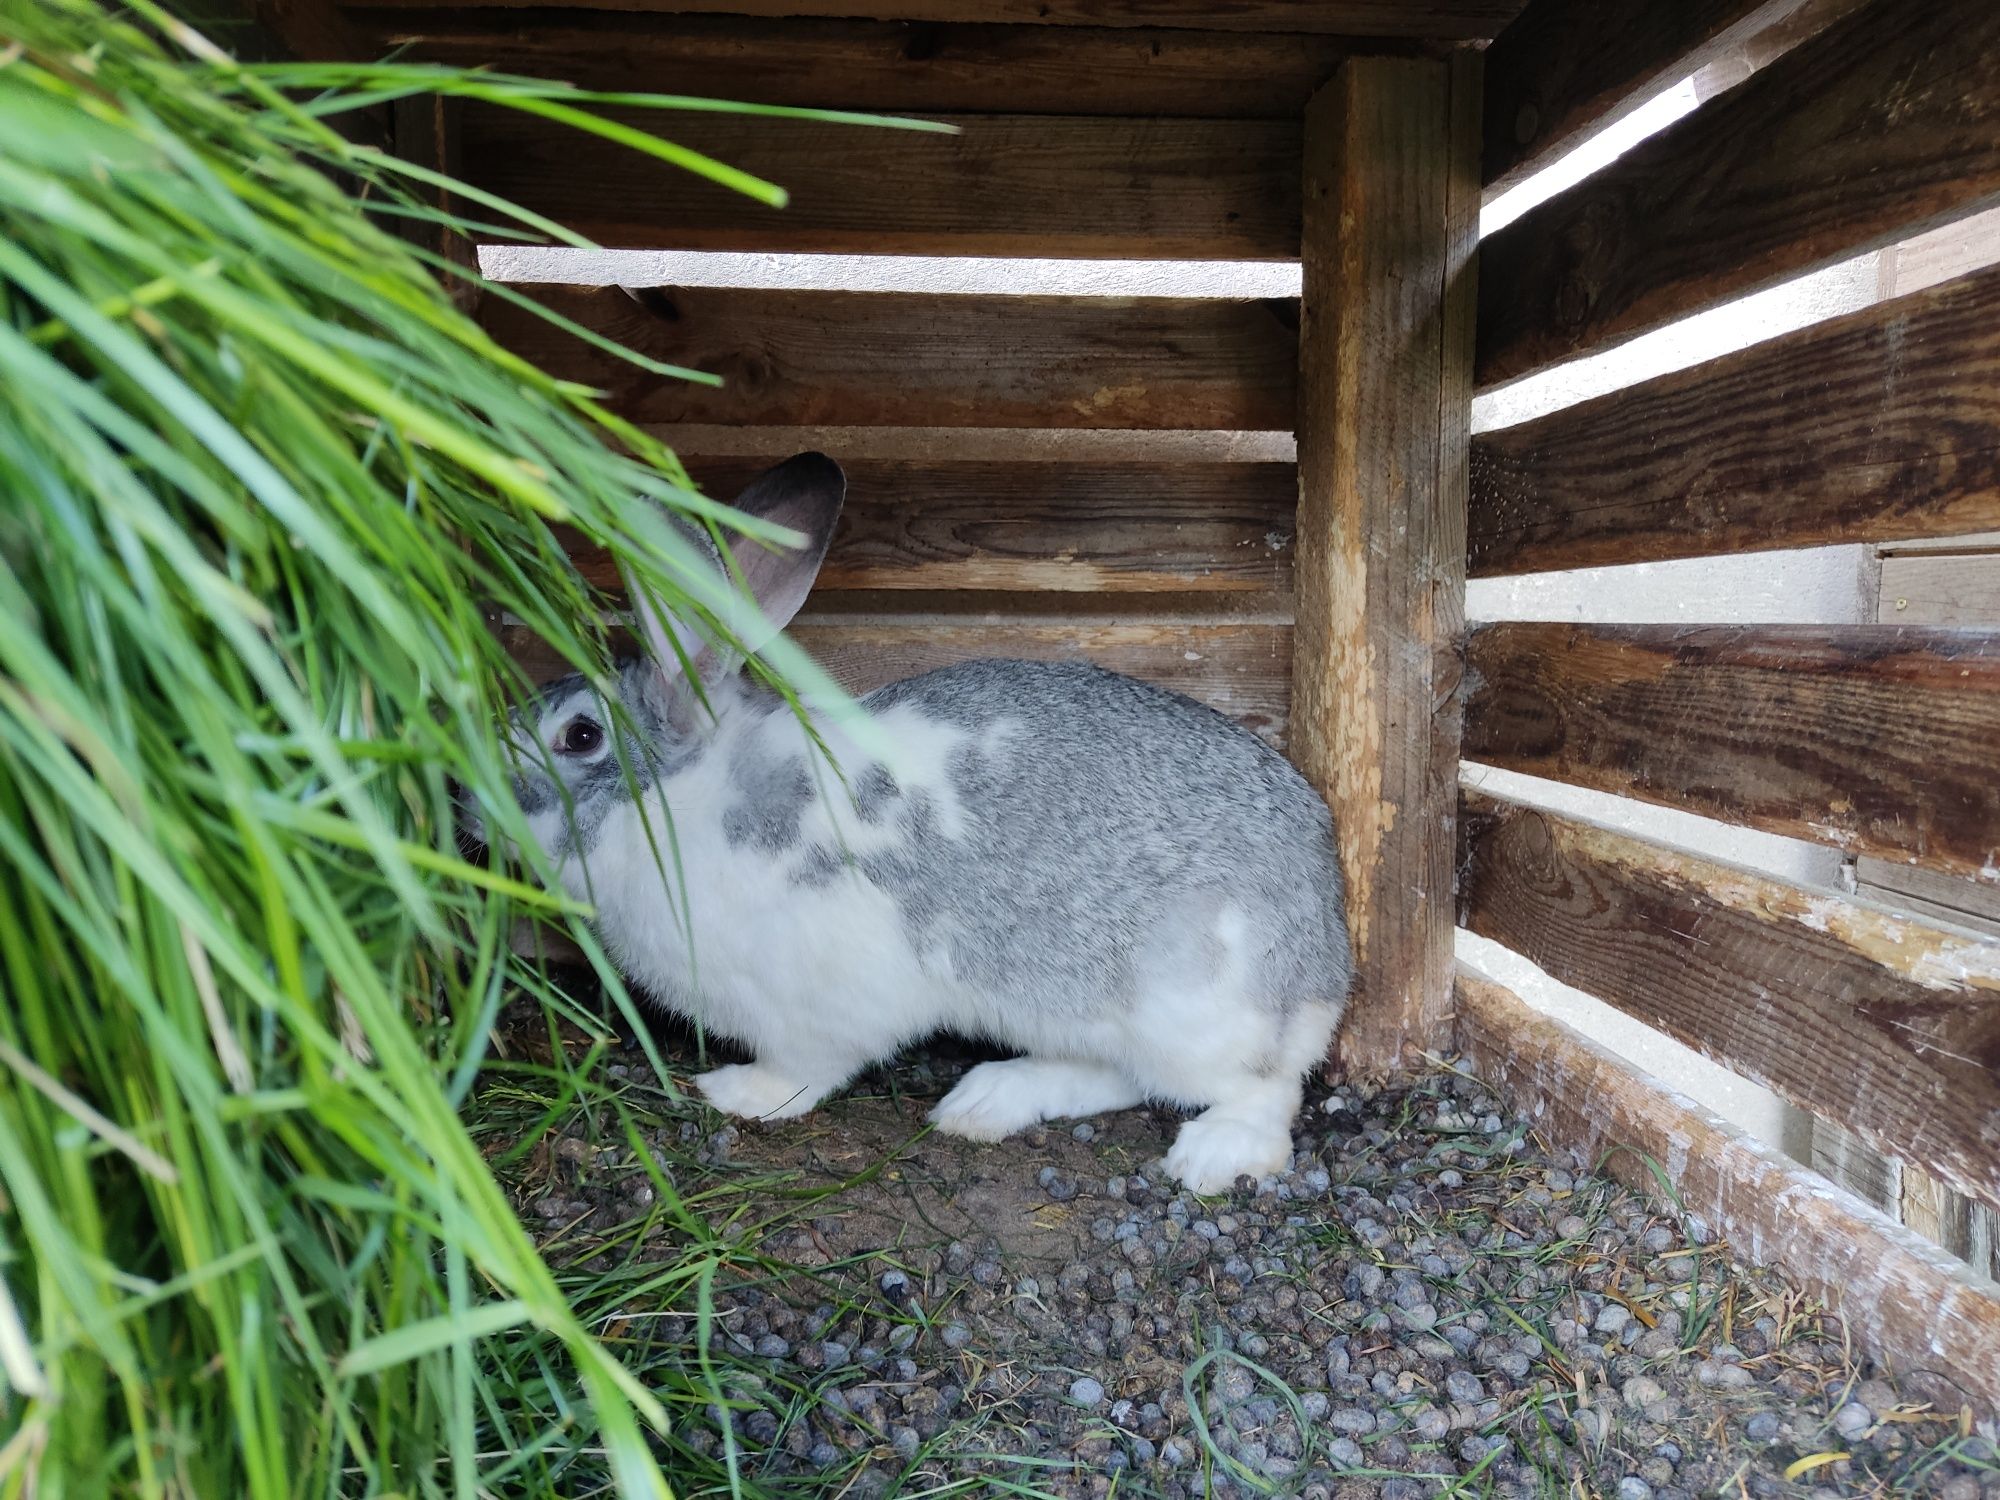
[
  {"x": 902, "y": 67},
  {"x": 1904, "y": 1301},
  {"x": 1889, "y": 1025},
  {"x": 1034, "y": 185},
  {"x": 916, "y": 360},
  {"x": 277, "y": 30},
  {"x": 1212, "y": 528},
  {"x": 1878, "y": 740},
  {"x": 1880, "y": 426},
  {"x": 1439, "y": 20},
  {"x": 1236, "y": 667},
  {"x": 429, "y": 129},
  {"x": 1390, "y": 228},
  {"x": 1886, "y": 124},
  {"x": 1565, "y": 69}
]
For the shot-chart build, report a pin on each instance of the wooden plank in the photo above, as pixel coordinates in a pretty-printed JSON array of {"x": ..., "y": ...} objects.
[
  {"x": 897, "y": 66},
  {"x": 1441, "y": 20},
  {"x": 1841, "y": 1156},
  {"x": 429, "y": 129},
  {"x": 1063, "y": 527},
  {"x": 1881, "y": 425},
  {"x": 1943, "y": 254},
  {"x": 1928, "y": 893},
  {"x": 915, "y": 360},
  {"x": 278, "y": 30},
  {"x": 1886, "y": 124},
  {"x": 1565, "y": 69},
  {"x": 1240, "y": 669},
  {"x": 1903, "y": 1301},
  {"x": 1877, "y": 740},
  {"x": 1390, "y": 228},
  {"x": 1950, "y": 590},
  {"x": 1034, "y": 185},
  {"x": 1887, "y": 1025}
]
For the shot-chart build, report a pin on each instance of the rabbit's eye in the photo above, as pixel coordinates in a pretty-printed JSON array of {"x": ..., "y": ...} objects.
[{"x": 580, "y": 737}]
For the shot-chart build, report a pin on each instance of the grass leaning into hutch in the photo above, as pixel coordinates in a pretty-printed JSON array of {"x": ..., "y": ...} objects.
[{"x": 263, "y": 486}]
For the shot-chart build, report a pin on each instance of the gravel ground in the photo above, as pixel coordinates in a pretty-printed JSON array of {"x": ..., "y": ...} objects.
[{"x": 1428, "y": 1302}]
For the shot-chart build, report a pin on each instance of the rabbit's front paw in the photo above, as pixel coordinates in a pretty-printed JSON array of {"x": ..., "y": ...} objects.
[
  {"x": 757, "y": 1092},
  {"x": 1211, "y": 1152}
]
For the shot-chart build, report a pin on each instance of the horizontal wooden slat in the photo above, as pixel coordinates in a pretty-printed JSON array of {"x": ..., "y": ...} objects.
[
  {"x": 1446, "y": 20},
  {"x": 899, "y": 66},
  {"x": 1565, "y": 69},
  {"x": 912, "y": 360},
  {"x": 1933, "y": 590},
  {"x": 1902, "y": 1300},
  {"x": 1878, "y": 426},
  {"x": 1063, "y": 527},
  {"x": 1887, "y": 1024},
  {"x": 1876, "y": 739},
  {"x": 1242, "y": 669},
  {"x": 1035, "y": 185},
  {"x": 1885, "y": 124}
]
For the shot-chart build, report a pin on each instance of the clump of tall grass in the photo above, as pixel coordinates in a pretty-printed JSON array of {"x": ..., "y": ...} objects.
[{"x": 261, "y": 489}]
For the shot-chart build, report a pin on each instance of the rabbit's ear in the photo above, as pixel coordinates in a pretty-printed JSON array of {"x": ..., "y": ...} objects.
[{"x": 803, "y": 494}]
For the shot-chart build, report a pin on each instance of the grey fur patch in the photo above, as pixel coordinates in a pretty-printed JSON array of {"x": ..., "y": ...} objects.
[
  {"x": 776, "y": 790},
  {"x": 1104, "y": 836}
]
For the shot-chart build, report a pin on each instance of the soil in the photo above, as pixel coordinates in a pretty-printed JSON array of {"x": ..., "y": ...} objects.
[{"x": 1430, "y": 1302}]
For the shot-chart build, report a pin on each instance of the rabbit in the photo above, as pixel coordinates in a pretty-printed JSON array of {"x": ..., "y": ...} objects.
[{"x": 1125, "y": 886}]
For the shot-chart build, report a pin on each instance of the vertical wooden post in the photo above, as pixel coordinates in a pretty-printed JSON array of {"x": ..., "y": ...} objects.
[
  {"x": 427, "y": 131},
  {"x": 1385, "y": 393}
]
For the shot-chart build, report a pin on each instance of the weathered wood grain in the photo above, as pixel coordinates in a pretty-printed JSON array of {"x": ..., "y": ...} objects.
[
  {"x": 1885, "y": 1023},
  {"x": 1238, "y": 668},
  {"x": 1903, "y": 1300},
  {"x": 1385, "y": 353},
  {"x": 1886, "y": 124},
  {"x": 902, "y": 67},
  {"x": 1565, "y": 69},
  {"x": 1036, "y": 185},
  {"x": 1879, "y": 426},
  {"x": 1120, "y": 528},
  {"x": 1933, "y": 590},
  {"x": 1443, "y": 20},
  {"x": 915, "y": 360},
  {"x": 1877, "y": 740}
]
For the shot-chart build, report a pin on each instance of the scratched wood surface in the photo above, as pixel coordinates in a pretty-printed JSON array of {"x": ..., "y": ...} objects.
[
  {"x": 1446, "y": 20},
  {"x": 916, "y": 360},
  {"x": 1883, "y": 425},
  {"x": 1903, "y": 1300},
  {"x": 1886, "y": 1023},
  {"x": 1124, "y": 528},
  {"x": 1876, "y": 739},
  {"x": 1007, "y": 184},
  {"x": 1566, "y": 69},
  {"x": 1885, "y": 124},
  {"x": 902, "y": 67},
  {"x": 1385, "y": 355}
]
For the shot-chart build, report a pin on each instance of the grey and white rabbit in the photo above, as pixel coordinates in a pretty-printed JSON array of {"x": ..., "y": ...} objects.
[{"x": 1124, "y": 885}]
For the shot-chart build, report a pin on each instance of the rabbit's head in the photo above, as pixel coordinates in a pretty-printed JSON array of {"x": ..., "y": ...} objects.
[{"x": 577, "y": 756}]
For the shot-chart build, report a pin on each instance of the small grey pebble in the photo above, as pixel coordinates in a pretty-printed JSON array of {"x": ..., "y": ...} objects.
[
  {"x": 1353, "y": 1420},
  {"x": 1762, "y": 1427},
  {"x": 957, "y": 1336},
  {"x": 834, "y": 1354},
  {"x": 1046, "y": 1176},
  {"x": 1314, "y": 1404},
  {"x": 1085, "y": 1132},
  {"x": 1632, "y": 1487},
  {"x": 1570, "y": 1227},
  {"x": 1430, "y": 1424},
  {"x": 1614, "y": 1317},
  {"x": 895, "y": 1285},
  {"x": 761, "y": 1428},
  {"x": 1852, "y": 1420},
  {"x": 823, "y": 1455},
  {"x": 906, "y": 1442},
  {"x": 1143, "y": 1450},
  {"x": 1086, "y": 1391},
  {"x": 1345, "y": 1452},
  {"x": 773, "y": 1347},
  {"x": 1641, "y": 1391},
  {"x": 1174, "y": 1453},
  {"x": 1463, "y": 1385}
]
